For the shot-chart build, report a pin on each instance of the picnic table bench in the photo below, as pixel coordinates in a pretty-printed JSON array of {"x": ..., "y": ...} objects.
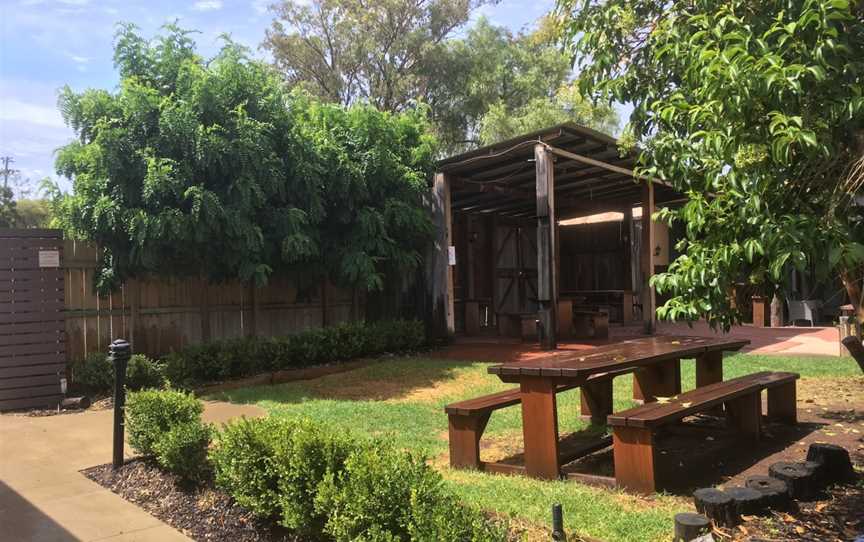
[
  {"x": 633, "y": 430},
  {"x": 655, "y": 364}
]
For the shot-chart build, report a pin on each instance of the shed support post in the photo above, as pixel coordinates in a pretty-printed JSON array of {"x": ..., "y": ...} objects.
[
  {"x": 441, "y": 280},
  {"x": 547, "y": 280},
  {"x": 647, "y": 258}
]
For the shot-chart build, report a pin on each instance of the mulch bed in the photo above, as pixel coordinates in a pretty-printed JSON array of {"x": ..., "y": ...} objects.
[
  {"x": 839, "y": 516},
  {"x": 201, "y": 512}
]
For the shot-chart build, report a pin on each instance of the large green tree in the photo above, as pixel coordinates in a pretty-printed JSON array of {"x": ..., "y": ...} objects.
[
  {"x": 346, "y": 51},
  {"x": 8, "y": 213},
  {"x": 209, "y": 168},
  {"x": 493, "y": 84},
  {"x": 755, "y": 110},
  {"x": 487, "y": 85}
]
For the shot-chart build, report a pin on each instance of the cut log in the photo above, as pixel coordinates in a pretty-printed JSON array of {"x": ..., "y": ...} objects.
[
  {"x": 71, "y": 403},
  {"x": 836, "y": 465},
  {"x": 717, "y": 505},
  {"x": 748, "y": 501},
  {"x": 775, "y": 493},
  {"x": 690, "y": 526},
  {"x": 799, "y": 478}
]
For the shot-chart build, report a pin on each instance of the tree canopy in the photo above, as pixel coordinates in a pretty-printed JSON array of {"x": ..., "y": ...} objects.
[
  {"x": 485, "y": 85},
  {"x": 210, "y": 168},
  {"x": 754, "y": 110}
]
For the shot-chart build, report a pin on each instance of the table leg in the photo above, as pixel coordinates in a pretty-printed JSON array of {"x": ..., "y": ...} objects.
[
  {"x": 659, "y": 380},
  {"x": 540, "y": 427},
  {"x": 596, "y": 398},
  {"x": 709, "y": 368}
]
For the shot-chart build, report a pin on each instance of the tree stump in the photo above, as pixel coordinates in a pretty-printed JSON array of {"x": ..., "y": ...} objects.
[
  {"x": 717, "y": 505},
  {"x": 799, "y": 478},
  {"x": 775, "y": 493},
  {"x": 748, "y": 501},
  {"x": 690, "y": 526},
  {"x": 836, "y": 465}
]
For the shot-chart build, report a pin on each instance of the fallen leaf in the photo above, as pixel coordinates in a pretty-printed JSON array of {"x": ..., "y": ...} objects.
[
  {"x": 685, "y": 405},
  {"x": 821, "y": 506},
  {"x": 787, "y": 518},
  {"x": 800, "y": 530},
  {"x": 663, "y": 400}
]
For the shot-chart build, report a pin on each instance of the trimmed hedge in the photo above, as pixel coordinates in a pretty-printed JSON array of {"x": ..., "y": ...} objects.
[
  {"x": 95, "y": 374},
  {"x": 183, "y": 449},
  {"x": 237, "y": 358},
  {"x": 329, "y": 486},
  {"x": 150, "y": 414}
]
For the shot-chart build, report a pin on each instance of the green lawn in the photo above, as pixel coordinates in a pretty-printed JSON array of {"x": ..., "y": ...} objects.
[{"x": 403, "y": 400}]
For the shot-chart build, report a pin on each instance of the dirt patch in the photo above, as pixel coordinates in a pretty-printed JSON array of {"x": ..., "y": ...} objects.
[
  {"x": 202, "y": 513},
  {"x": 444, "y": 388}
]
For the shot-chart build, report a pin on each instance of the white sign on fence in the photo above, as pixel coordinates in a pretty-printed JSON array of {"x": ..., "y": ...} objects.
[
  {"x": 451, "y": 253},
  {"x": 49, "y": 258}
]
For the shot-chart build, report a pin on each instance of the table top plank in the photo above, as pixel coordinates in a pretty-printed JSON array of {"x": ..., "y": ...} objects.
[{"x": 630, "y": 353}]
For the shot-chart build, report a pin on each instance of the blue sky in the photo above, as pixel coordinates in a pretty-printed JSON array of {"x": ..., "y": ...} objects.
[{"x": 50, "y": 43}]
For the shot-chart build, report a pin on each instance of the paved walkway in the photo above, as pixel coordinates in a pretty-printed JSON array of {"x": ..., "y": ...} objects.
[
  {"x": 799, "y": 341},
  {"x": 43, "y": 497}
]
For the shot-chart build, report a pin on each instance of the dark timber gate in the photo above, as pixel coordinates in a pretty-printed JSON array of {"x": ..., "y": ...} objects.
[{"x": 32, "y": 337}]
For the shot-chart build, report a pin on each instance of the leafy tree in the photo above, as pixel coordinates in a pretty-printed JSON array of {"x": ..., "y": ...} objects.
[
  {"x": 33, "y": 213},
  {"x": 209, "y": 168},
  {"x": 8, "y": 213},
  {"x": 567, "y": 105},
  {"x": 346, "y": 51},
  {"x": 395, "y": 53},
  {"x": 755, "y": 110}
]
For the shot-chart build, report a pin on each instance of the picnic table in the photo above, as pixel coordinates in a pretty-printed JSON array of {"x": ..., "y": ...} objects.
[{"x": 654, "y": 361}]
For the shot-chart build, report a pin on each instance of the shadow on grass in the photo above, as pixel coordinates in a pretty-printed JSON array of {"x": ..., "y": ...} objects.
[{"x": 398, "y": 379}]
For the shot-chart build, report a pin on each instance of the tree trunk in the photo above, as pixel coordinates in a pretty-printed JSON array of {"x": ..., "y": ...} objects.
[{"x": 852, "y": 279}]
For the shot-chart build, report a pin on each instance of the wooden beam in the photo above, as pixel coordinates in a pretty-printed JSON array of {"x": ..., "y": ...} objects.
[
  {"x": 440, "y": 271},
  {"x": 547, "y": 291},
  {"x": 604, "y": 165},
  {"x": 647, "y": 258}
]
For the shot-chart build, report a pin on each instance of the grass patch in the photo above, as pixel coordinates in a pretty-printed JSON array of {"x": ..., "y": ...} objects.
[{"x": 403, "y": 400}]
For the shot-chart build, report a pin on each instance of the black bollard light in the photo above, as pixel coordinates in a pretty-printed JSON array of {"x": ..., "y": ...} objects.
[
  {"x": 120, "y": 352},
  {"x": 558, "y": 523}
]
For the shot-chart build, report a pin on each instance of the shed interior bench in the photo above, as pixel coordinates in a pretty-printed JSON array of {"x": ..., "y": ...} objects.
[
  {"x": 467, "y": 419},
  {"x": 590, "y": 323},
  {"x": 633, "y": 430}
]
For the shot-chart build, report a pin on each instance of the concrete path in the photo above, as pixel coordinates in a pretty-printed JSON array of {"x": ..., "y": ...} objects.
[{"x": 43, "y": 497}]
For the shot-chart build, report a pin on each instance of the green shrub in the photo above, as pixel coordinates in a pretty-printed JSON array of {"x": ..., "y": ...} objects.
[
  {"x": 216, "y": 361},
  {"x": 302, "y": 462},
  {"x": 143, "y": 372},
  {"x": 243, "y": 463},
  {"x": 152, "y": 413},
  {"x": 387, "y": 494},
  {"x": 183, "y": 449},
  {"x": 93, "y": 374}
]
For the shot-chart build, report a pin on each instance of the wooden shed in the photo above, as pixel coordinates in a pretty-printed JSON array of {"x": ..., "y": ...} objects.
[{"x": 535, "y": 231}]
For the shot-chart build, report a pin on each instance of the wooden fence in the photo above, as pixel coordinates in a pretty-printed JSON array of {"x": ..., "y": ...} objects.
[{"x": 160, "y": 315}]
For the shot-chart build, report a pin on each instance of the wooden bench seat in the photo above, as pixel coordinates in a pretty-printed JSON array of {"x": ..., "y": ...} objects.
[
  {"x": 468, "y": 419},
  {"x": 590, "y": 323},
  {"x": 634, "y": 429}
]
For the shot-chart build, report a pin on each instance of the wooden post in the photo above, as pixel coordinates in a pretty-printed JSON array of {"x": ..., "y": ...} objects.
[
  {"x": 647, "y": 257},
  {"x": 547, "y": 280},
  {"x": 255, "y": 321},
  {"x": 441, "y": 280},
  {"x": 205, "y": 310},
  {"x": 540, "y": 427},
  {"x": 133, "y": 289},
  {"x": 324, "y": 320}
]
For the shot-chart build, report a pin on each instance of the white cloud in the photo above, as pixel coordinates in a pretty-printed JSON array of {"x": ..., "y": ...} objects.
[
  {"x": 260, "y": 6},
  {"x": 12, "y": 109},
  {"x": 207, "y": 5}
]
